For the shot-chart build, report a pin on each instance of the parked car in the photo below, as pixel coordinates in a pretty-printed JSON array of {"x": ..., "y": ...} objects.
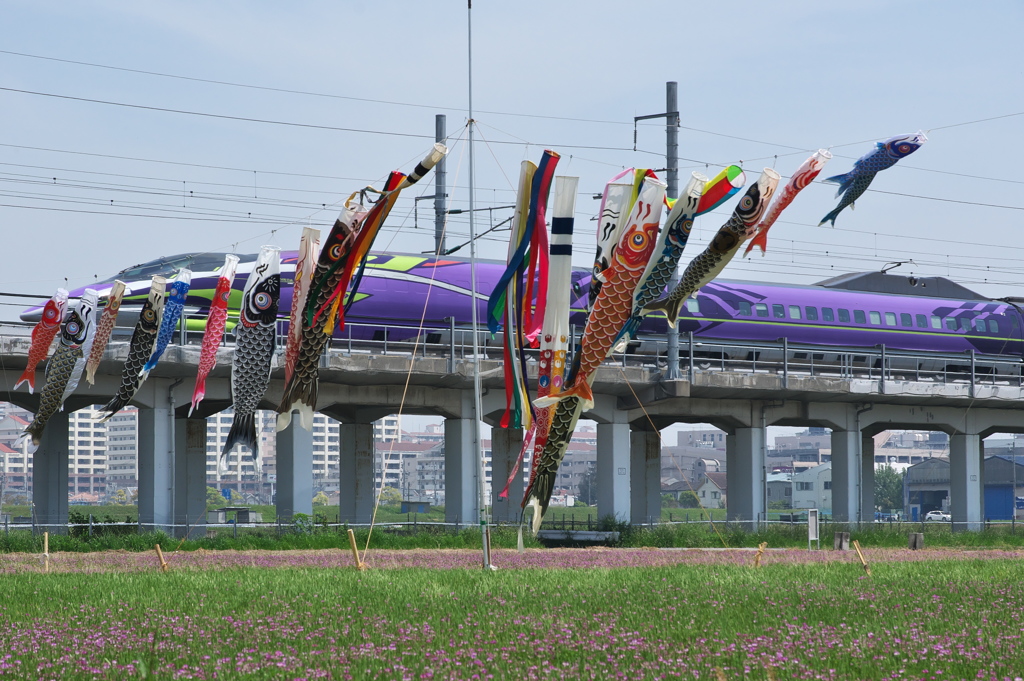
[
  {"x": 940, "y": 516},
  {"x": 881, "y": 517}
]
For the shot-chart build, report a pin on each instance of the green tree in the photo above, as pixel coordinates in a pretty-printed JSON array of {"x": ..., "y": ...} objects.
[
  {"x": 688, "y": 499},
  {"x": 320, "y": 499},
  {"x": 389, "y": 496},
  {"x": 888, "y": 488},
  {"x": 214, "y": 498},
  {"x": 120, "y": 498}
]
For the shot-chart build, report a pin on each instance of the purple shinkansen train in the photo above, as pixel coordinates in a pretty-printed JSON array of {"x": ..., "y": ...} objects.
[{"x": 864, "y": 310}]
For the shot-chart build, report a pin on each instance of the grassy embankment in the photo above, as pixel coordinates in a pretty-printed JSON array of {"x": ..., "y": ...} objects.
[{"x": 940, "y": 619}]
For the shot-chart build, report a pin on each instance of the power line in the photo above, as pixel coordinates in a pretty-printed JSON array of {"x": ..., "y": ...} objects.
[
  {"x": 204, "y": 114},
  {"x": 307, "y": 93},
  {"x": 312, "y": 126}
]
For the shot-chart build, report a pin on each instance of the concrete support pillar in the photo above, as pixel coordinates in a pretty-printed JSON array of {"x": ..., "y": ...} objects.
[
  {"x": 461, "y": 469},
  {"x": 50, "y": 477},
  {"x": 355, "y": 472},
  {"x": 744, "y": 475},
  {"x": 190, "y": 477},
  {"x": 845, "y": 476},
  {"x": 645, "y": 476},
  {"x": 613, "y": 464},
  {"x": 506, "y": 443},
  {"x": 867, "y": 479},
  {"x": 156, "y": 465},
  {"x": 294, "y": 471},
  {"x": 966, "y": 481}
]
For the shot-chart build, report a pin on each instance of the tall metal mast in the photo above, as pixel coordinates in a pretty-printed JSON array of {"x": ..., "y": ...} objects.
[
  {"x": 440, "y": 189},
  {"x": 477, "y": 389}
]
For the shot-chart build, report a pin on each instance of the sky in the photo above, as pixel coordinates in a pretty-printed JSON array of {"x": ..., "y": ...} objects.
[{"x": 337, "y": 94}]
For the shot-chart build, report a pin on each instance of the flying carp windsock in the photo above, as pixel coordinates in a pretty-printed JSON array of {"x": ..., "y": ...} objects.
[
  {"x": 884, "y": 155},
  {"x": 255, "y": 338},
  {"x": 309, "y": 246},
  {"x": 141, "y": 347},
  {"x": 213, "y": 336},
  {"x": 544, "y": 471},
  {"x": 300, "y": 391},
  {"x": 665, "y": 258},
  {"x": 87, "y": 313},
  {"x": 722, "y": 248},
  {"x": 616, "y": 206},
  {"x": 555, "y": 330},
  {"x": 345, "y": 291},
  {"x": 75, "y": 331},
  {"x": 614, "y": 303},
  {"x": 803, "y": 176},
  {"x": 42, "y": 336},
  {"x": 340, "y": 264},
  {"x": 177, "y": 292},
  {"x": 103, "y": 330}
]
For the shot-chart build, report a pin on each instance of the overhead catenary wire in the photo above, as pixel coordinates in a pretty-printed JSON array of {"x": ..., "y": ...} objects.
[{"x": 797, "y": 149}]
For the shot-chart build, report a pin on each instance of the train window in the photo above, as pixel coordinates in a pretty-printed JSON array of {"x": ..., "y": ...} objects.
[
  {"x": 993, "y": 326},
  {"x": 906, "y": 319},
  {"x": 794, "y": 312},
  {"x": 826, "y": 314},
  {"x": 936, "y": 322},
  {"x": 844, "y": 315},
  {"x": 859, "y": 317},
  {"x": 778, "y": 311},
  {"x": 951, "y": 323},
  {"x": 692, "y": 305},
  {"x": 890, "y": 319},
  {"x": 875, "y": 317},
  {"x": 979, "y": 325},
  {"x": 744, "y": 308},
  {"x": 812, "y": 312},
  {"x": 965, "y": 324},
  {"x": 922, "y": 321},
  {"x": 761, "y": 309}
]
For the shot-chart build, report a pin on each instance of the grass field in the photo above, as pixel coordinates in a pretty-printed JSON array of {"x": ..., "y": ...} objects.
[{"x": 711, "y": 616}]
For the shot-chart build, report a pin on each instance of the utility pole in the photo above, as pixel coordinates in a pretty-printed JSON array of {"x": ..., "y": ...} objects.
[
  {"x": 671, "y": 117},
  {"x": 672, "y": 164},
  {"x": 439, "y": 186}
]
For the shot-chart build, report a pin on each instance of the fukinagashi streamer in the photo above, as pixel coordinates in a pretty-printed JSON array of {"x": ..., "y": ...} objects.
[{"x": 43, "y": 334}]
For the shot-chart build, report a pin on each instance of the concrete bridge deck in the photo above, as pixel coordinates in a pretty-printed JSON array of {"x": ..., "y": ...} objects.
[{"x": 858, "y": 394}]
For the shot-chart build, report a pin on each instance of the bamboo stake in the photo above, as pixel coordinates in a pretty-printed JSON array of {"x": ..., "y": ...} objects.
[
  {"x": 856, "y": 545},
  {"x": 46, "y": 551},
  {"x": 760, "y": 552},
  {"x": 160, "y": 555},
  {"x": 360, "y": 565}
]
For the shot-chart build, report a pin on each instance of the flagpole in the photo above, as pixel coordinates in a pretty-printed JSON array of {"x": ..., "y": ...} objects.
[{"x": 477, "y": 389}]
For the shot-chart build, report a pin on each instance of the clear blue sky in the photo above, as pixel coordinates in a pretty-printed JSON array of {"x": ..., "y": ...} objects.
[{"x": 761, "y": 83}]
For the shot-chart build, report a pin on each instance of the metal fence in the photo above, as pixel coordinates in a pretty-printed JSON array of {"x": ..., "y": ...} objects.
[{"x": 697, "y": 355}]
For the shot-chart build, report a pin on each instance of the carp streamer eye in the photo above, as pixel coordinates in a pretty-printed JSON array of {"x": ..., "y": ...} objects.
[
  {"x": 49, "y": 313},
  {"x": 638, "y": 241},
  {"x": 262, "y": 301},
  {"x": 903, "y": 148},
  {"x": 335, "y": 251},
  {"x": 224, "y": 296},
  {"x": 747, "y": 203},
  {"x": 73, "y": 328},
  {"x": 148, "y": 315}
]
